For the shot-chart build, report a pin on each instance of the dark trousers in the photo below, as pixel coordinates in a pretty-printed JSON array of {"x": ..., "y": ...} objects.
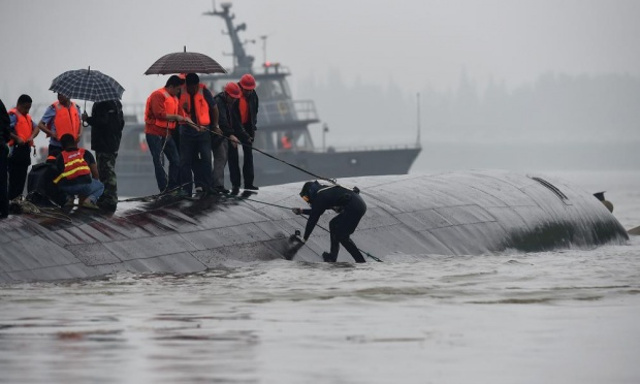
[
  {"x": 4, "y": 193},
  {"x": 106, "y": 162},
  {"x": 195, "y": 158},
  {"x": 247, "y": 166},
  {"x": 342, "y": 226},
  {"x": 159, "y": 146},
  {"x": 19, "y": 163}
]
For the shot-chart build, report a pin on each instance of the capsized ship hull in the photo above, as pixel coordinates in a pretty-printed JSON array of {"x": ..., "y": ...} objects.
[{"x": 462, "y": 213}]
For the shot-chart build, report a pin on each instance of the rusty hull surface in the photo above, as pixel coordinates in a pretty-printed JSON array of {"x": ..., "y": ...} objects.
[{"x": 459, "y": 213}]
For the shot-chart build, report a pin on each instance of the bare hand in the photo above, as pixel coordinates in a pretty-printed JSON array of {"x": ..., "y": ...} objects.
[{"x": 234, "y": 141}]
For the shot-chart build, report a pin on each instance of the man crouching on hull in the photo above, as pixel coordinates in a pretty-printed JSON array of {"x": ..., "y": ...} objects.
[{"x": 351, "y": 208}]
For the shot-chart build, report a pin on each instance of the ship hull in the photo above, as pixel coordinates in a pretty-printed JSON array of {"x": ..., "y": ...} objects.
[{"x": 463, "y": 213}]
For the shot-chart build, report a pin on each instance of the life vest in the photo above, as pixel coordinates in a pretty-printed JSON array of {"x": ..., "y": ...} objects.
[
  {"x": 24, "y": 127},
  {"x": 67, "y": 120},
  {"x": 243, "y": 106},
  {"x": 170, "y": 108},
  {"x": 286, "y": 142},
  {"x": 201, "y": 105},
  {"x": 74, "y": 165}
]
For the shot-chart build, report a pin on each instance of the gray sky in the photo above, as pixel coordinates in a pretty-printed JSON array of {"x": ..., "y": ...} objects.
[{"x": 414, "y": 43}]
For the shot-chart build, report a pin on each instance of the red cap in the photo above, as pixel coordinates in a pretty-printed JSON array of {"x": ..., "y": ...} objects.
[
  {"x": 233, "y": 90},
  {"x": 248, "y": 82}
]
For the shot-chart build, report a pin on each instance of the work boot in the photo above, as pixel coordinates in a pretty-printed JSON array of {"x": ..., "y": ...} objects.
[
  {"x": 326, "y": 256},
  {"x": 235, "y": 190},
  {"x": 251, "y": 187}
]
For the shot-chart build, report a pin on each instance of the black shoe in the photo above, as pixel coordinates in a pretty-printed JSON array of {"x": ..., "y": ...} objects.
[
  {"x": 326, "y": 256},
  {"x": 235, "y": 190},
  {"x": 251, "y": 187},
  {"x": 221, "y": 189}
]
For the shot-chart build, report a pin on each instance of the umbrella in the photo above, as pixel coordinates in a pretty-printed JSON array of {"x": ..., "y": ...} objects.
[
  {"x": 184, "y": 62},
  {"x": 87, "y": 84}
]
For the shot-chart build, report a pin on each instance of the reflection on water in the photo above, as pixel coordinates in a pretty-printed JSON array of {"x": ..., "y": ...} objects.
[{"x": 279, "y": 321}]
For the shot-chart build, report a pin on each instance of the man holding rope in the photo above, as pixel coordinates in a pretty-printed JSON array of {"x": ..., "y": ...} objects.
[{"x": 350, "y": 208}]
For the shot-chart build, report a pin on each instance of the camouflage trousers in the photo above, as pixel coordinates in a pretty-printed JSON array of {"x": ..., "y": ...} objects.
[{"x": 106, "y": 162}]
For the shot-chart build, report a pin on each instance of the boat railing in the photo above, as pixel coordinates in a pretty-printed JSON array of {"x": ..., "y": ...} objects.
[
  {"x": 368, "y": 148},
  {"x": 286, "y": 111}
]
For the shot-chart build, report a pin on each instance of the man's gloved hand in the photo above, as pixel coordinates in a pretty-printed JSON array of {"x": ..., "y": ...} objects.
[{"x": 297, "y": 211}]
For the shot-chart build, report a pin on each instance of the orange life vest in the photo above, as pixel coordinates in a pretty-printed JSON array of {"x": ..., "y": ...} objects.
[
  {"x": 286, "y": 143},
  {"x": 67, "y": 120},
  {"x": 201, "y": 105},
  {"x": 24, "y": 127},
  {"x": 244, "y": 109},
  {"x": 74, "y": 165},
  {"x": 170, "y": 108}
]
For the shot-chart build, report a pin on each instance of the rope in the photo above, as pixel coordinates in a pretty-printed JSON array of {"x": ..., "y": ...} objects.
[{"x": 332, "y": 181}]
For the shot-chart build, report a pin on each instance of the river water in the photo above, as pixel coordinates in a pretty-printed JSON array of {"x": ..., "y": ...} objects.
[{"x": 571, "y": 316}]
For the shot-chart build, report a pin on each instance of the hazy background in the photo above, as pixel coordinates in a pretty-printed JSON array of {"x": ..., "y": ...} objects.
[{"x": 501, "y": 79}]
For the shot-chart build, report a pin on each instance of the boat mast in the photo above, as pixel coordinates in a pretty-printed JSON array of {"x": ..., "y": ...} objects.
[
  {"x": 418, "y": 121},
  {"x": 243, "y": 62}
]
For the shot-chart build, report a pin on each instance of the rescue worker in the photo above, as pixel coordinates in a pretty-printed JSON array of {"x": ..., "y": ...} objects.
[
  {"x": 160, "y": 117},
  {"x": 107, "y": 122},
  {"x": 247, "y": 107},
  {"x": 351, "y": 208},
  {"x": 23, "y": 131},
  {"x": 4, "y": 153},
  {"x": 78, "y": 173},
  {"x": 196, "y": 102},
  {"x": 221, "y": 141},
  {"x": 60, "y": 118}
]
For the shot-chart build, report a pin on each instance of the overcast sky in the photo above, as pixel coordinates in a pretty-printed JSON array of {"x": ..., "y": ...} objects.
[{"x": 414, "y": 43}]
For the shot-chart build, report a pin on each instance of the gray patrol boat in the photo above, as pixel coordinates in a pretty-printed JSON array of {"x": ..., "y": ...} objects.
[{"x": 279, "y": 115}]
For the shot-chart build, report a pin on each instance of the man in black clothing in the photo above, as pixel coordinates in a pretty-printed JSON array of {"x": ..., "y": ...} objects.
[
  {"x": 247, "y": 111},
  {"x": 107, "y": 122},
  {"x": 224, "y": 136},
  {"x": 5, "y": 136},
  {"x": 351, "y": 208}
]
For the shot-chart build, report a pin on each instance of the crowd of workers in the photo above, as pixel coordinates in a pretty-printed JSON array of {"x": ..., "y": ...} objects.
[{"x": 184, "y": 122}]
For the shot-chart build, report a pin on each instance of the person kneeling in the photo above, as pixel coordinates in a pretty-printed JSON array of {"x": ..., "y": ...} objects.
[{"x": 78, "y": 173}]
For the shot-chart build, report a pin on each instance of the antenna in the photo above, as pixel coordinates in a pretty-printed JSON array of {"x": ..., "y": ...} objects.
[
  {"x": 264, "y": 48},
  {"x": 418, "y": 120}
]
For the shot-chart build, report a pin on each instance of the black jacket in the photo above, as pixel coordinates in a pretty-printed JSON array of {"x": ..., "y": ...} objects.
[
  {"x": 228, "y": 117},
  {"x": 322, "y": 198},
  {"x": 5, "y": 134},
  {"x": 107, "y": 122}
]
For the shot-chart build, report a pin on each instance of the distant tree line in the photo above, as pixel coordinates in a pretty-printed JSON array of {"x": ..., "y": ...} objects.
[{"x": 556, "y": 107}]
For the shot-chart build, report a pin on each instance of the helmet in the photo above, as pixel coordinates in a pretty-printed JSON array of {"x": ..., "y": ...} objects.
[
  {"x": 233, "y": 90},
  {"x": 248, "y": 82}
]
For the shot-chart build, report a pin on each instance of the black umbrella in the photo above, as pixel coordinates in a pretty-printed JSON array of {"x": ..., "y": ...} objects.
[
  {"x": 184, "y": 62},
  {"x": 87, "y": 84}
]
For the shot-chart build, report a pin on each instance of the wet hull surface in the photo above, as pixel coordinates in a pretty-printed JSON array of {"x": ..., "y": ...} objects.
[{"x": 463, "y": 213}]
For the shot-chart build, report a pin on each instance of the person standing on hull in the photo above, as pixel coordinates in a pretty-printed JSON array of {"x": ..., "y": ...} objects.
[
  {"x": 78, "y": 173},
  {"x": 23, "y": 131},
  {"x": 223, "y": 137},
  {"x": 5, "y": 136},
  {"x": 160, "y": 117},
  {"x": 248, "y": 111},
  {"x": 196, "y": 102},
  {"x": 351, "y": 208},
  {"x": 61, "y": 118},
  {"x": 107, "y": 122}
]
